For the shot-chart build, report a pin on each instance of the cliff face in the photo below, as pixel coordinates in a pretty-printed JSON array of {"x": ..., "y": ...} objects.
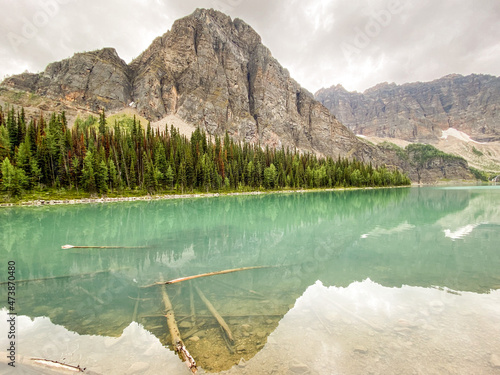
[
  {"x": 91, "y": 80},
  {"x": 213, "y": 72},
  {"x": 418, "y": 112},
  {"x": 216, "y": 74}
]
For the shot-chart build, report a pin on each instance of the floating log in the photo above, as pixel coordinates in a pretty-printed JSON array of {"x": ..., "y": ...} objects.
[
  {"x": 204, "y": 275},
  {"x": 179, "y": 346},
  {"x": 216, "y": 315},
  {"x": 57, "y": 365},
  {"x": 60, "y": 277},
  {"x": 64, "y": 247}
]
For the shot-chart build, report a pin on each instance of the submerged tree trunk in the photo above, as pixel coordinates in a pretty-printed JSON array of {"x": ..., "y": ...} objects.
[{"x": 175, "y": 334}]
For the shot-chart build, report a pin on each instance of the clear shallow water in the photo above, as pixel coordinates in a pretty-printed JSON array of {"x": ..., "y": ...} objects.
[{"x": 381, "y": 281}]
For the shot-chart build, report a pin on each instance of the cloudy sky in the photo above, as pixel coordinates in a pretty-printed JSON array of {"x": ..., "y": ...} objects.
[{"x": 356, "y": 43}]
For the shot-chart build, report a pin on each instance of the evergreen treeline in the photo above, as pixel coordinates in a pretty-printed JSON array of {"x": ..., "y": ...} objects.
[{"x": 98, "y": 158}]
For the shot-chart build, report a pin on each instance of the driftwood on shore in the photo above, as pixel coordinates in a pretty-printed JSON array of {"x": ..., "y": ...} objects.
[
  {"x": 174, "y": 281},
  {"x": 179, "y": 346}
]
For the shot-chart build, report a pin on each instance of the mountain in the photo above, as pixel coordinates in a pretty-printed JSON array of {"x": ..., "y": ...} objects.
[
  {"x": 419, "y": 112},
  {"x": 214, "y": 73}
]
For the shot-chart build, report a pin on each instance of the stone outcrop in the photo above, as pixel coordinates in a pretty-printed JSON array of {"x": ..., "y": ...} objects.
[
  {"x": 418, "y": 112},
  {"x": 212, "y": 72},
  {"x": 93, "y": 80}
]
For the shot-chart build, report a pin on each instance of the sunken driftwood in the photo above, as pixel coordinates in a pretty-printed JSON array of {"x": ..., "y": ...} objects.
[
  {"x": 191, "y": 304},
  {"x": 239, "y": 316},
  {"x": 65, "y": 247},
  {"x": 60, "y": 277},
  {"x": 175, "y": 334},
  {"x": 85, "y": 291},
  {"x": 204, "y": 275},
  {"x": 216, "y": 315}
]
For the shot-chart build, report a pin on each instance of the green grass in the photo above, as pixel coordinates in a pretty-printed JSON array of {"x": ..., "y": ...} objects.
[
  {"x": 476, "y": 151},
  {"x": 422, "y": 153}
]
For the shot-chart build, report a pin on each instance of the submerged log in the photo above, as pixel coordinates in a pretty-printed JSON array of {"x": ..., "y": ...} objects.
[
  {"x": 60, "y": 277},
  {"x": 191, "y": 304},
  {"x": 236, "y": 287},
  {"x": 95, "y": 298},
  {"x": 184, "y": 317},
  {"x": 204, "y": 275},
  {"x": 177, "y": 343},
  {"x": 64, "y": 247},
  {"x": 216, "y": 315}
]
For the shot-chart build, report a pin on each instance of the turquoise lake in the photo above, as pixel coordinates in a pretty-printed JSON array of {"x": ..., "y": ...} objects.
[{"x": 382, "y": 281}]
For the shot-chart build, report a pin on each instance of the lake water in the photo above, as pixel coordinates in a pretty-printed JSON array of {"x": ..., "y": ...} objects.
[{"x": 389, "y": 281}]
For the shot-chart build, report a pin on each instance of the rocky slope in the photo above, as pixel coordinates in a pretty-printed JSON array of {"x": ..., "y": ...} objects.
[
  {"x": 419, "y": 112},
  {"x": 211, "y": 72},
  {"x": 94, "y": 80}
]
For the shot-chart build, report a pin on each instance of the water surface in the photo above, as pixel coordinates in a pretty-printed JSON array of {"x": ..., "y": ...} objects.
[{"x": 385, "y": 281}]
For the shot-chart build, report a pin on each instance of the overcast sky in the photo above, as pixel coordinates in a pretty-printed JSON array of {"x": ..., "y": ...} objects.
[{"x": 356, "y": 43}]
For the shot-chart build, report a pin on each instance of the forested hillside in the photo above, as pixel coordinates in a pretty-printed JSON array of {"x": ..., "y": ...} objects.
[{"x": 100, "y": 158}]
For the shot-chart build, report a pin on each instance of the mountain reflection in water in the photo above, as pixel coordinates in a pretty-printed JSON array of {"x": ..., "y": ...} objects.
[{"x": 377, "y": 280}]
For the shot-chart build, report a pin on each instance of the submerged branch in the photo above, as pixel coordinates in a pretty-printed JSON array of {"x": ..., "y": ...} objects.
[
  {"x": 204, "y": 275},
  {"x": 62, "y": 277},
  {"x": 215, "y": 313},
  {"x": 175, "y": 334}
]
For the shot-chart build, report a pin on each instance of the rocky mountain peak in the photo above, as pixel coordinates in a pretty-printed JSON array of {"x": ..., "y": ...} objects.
[{"x": 211, "y": 72}]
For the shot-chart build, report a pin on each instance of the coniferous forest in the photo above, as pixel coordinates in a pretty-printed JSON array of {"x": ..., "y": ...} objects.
[{"x": 100, "y": 158}]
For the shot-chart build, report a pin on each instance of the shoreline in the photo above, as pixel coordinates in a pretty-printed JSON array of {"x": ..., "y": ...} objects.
[{"x": 57, "y": 202}]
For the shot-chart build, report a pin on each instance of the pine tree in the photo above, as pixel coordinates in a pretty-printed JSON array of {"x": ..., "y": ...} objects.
[
  {"x": 113, "y": 176},
  {"x": 270, "y": 177},
  {"x": 101, "y": 177},
  {"x": 13, "y": 179},
  {"x": 169, "y": 177},
  {"x": 102, "y": 123},
  {"x": 5, "y": 145},
  {"x": 88, "y": 175}
]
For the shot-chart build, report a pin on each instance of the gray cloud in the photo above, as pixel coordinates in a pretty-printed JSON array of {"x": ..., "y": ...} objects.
[{"x": 356, "y": 43}]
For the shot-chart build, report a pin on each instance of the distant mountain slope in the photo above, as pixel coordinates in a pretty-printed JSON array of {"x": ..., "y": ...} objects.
[{"x": 419, "y": 112}]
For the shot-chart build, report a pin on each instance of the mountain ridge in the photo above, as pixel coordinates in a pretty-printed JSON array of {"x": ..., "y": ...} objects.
[
  {"x": 214, "y": 73},
  {"x": 420, "y": 111}
]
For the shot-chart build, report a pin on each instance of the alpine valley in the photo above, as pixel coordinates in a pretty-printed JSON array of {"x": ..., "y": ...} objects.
[{"x": 214, "y": 73}]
